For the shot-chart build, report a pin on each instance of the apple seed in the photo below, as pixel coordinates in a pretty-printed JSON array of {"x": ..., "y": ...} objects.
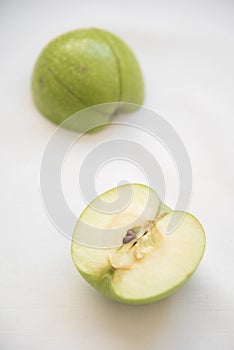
[{"x": 129, "y": 236}]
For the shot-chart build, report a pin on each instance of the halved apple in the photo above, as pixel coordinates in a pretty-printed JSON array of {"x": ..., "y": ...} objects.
[{"x": 152, "y": 263}]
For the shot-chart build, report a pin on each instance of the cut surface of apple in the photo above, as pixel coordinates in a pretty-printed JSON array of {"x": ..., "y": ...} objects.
[{"x": 152, "y": 264}]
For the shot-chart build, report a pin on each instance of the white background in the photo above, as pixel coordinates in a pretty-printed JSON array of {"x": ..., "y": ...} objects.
[{"x": 186, "y": 52}]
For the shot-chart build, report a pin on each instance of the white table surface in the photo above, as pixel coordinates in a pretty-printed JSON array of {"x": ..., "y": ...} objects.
[{"x": 186, "y": 52}]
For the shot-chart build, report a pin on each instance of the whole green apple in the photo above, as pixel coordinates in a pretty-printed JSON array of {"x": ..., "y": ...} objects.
[
  {"x": 83, "y": 68},
  {"x": 149, "y": 264}
]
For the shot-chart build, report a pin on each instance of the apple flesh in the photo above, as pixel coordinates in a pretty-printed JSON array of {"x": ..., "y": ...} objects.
[{"x": 152, "y": 264}]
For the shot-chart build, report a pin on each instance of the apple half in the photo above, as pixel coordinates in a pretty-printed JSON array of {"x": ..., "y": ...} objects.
[{"x": 153, "y": 262}]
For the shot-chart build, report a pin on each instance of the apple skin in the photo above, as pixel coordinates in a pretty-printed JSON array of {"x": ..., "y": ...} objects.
[
  {"x": 103, "y": 283},
  {"x": 83, "y": 68}
]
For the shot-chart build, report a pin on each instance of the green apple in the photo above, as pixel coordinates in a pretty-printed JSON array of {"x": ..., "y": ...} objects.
[
  {"x": 83, "y": 68},
  {"x": 151, "y": 263}
]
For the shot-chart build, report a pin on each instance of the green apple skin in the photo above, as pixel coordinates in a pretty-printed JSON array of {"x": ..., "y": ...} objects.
[
  {"x": 83, "y": 68},
  {"x": 103, "y": 281}
]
